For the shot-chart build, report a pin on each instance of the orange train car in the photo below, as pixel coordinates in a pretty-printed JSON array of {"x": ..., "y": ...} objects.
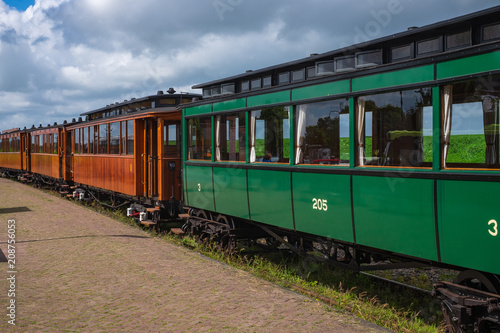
[
  {"x": 14, "y": 154},
  {"x": 131, "y": 149},
  {"x": 46, "y": 150}
]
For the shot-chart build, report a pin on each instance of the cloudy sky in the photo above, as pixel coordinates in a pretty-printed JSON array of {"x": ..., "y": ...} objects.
[{"x": 61, "y": 58}]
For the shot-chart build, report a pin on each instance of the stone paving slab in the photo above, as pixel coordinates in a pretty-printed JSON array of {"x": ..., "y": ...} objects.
[{"x": 78, "y": 271}]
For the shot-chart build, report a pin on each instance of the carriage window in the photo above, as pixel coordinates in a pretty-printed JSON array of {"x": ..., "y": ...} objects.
[
  {"x": 458, "y": 40},
  {"x": 172, "y": 140},
  {"x": 429, "y": 46},
  {"x": 284, "y": 78},
  {"x": 395, "y": 129},
  {"x": 200, "y": 139},
  {"x": 55, "y": 146},
  {"x": 322, "y": 133},
  {"x": 402, "y": 52},
  {"x": 39, "y": 143},
  {"x": 344, "y": 63},
  {"x": 48, "y": 146},
  {"x": 130, "y": 137},
  {"x": 471, "y": 123},
  {"x": 230, "y": 139},
  {"x": 256, "y": 84},
  {"x": 77, "y": 141},
  {"x": 270, "y": 135},
  {"x": 370, "y": 58},
  {"x": 103, "y": 139},
  {"x": 491, "y": 32},
  {"x": 91, "y": 139},
  {"x": 84, "y": 140},
  {"x": 114, "y": 138},
  {"x": 299, "y": 75},
  {"x": 245, "y": 85},
  {"x": 123, "y": 137},
  {"x": 267, "y": 81}
]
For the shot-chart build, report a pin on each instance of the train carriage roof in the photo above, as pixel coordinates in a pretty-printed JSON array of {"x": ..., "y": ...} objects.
[
  {"x": 160, "y": 100},
  {"x": 481, "y": 27}
]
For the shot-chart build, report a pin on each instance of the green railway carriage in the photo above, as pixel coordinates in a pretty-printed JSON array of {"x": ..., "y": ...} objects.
[{"x": 390, "y": 145}]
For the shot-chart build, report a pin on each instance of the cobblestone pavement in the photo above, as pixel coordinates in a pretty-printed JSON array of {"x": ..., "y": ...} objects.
[{"x": 78, "y": 271}]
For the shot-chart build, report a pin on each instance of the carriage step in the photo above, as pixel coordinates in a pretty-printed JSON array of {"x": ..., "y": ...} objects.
[
  {"x": 153, "y": 210},
  {"x": 69, "y": 196},
  {"x": 177, "y": 231},
  {"x": 73, "y": 187},
  {"x": 184, "y": 216},
  {"x": 64, "y": 193},
  {"x": 64, "y": 186},
  {"x": 148, "y": 223}
]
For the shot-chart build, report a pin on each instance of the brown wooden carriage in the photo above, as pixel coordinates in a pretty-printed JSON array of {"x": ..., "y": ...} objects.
[
  {"x": 14, "y": 154},
  {"x": 47, "y": 151},
  {"x": 131, "y": 148}
]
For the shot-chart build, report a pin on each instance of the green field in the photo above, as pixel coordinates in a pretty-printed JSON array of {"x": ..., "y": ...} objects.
[
  {"x": 467, "y": 149},
  {"x": 463, "y": 148}
]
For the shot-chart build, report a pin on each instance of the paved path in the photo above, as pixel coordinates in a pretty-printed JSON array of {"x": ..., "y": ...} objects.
[{"x": 78, "y": 271}]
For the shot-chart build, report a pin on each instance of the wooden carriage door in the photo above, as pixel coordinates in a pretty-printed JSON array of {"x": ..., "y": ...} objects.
[
  {"x": 150, "y": 159},
  {"x": 170, "y": 161},
  {"x": 25, "y": 149},
  {"x": 68, "y": 154}
]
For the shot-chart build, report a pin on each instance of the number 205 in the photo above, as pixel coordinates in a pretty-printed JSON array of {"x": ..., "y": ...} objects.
[{"x": 320, "y": 204}]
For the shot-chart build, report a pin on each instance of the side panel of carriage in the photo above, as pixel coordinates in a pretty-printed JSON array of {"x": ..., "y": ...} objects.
[
  {"x": 45, "y": 152},
  {"x": 12, "y": 152},
  {"x": 102, "y": 155},
  {"x": 468, "y": 211},
  {"x": 137, "y": 155}
]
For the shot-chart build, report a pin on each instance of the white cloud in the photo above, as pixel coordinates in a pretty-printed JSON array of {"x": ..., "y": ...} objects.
[{"x": 61, "y": 58}]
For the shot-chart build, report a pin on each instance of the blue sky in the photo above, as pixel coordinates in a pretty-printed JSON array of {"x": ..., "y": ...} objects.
[
  {"x": 20, "y": 5},
  {"x": 62, "y": 58}
]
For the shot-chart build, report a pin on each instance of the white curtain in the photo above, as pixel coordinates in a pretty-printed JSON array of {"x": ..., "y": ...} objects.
[
  {"x": 490, "y": 121},
  {"x": 360, "y": 116},
  {"x": 253, "y": 121},
  {"x": 190, "y": 137},
  {"x": 217, "y": 138},
  {"x": 300, "y": 134},
  {"x": 447, "y": 113}
]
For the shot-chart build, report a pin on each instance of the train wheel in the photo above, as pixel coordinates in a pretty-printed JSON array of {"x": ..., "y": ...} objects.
[
  {"x": 225, "y": 241},
  {"x": 484, "y": 282},
  {"x": 201, "y": 213},
  {"x": 478, "y": 280}
]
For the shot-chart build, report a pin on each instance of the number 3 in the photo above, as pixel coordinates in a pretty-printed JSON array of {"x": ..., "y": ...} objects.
[{"x": 493, "y": 232}]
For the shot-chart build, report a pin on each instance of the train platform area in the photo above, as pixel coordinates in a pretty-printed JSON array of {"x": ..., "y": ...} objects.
[{"x": 73, "y": 270}]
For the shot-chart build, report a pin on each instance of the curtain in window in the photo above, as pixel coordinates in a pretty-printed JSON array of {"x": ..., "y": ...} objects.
[
  {"x": 447, "y": 112},
  {"x": 360, "y": 116},
  {"x": 300, "y": 134},
  {"x": 217, "y": 137},
  {"x": 418, "y": 155},
  {"x": 490, "y": 120},
  {"x": 190, "y": 137},
  {"x": 253, "y": 134}
]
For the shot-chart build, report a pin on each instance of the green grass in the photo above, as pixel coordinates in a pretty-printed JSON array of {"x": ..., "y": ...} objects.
[
  {"x": 467, "y": 149},
  {"x": 463, "y": 148},
  {"x": 396, "y": 308}
]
